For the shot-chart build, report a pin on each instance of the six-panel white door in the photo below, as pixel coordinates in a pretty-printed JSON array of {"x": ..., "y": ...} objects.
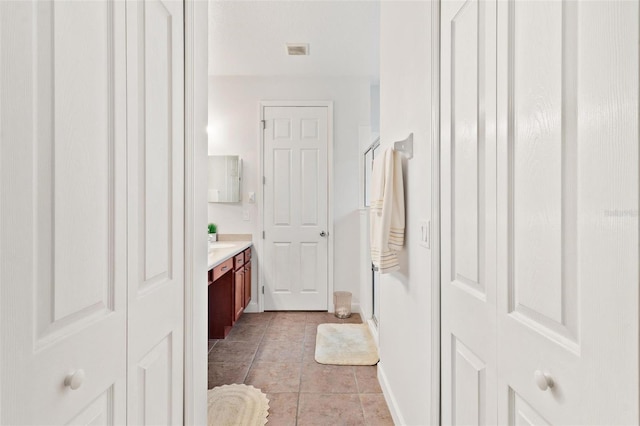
[
  {"x": 540, "y": 198},
  {"x": 295, "y": 208},
  {"x": 155, "y": 114},
  {"x": 63, "y": 188}
]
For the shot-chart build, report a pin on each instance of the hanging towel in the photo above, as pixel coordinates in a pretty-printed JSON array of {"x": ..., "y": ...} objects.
[{"x": 387, "y": 211}]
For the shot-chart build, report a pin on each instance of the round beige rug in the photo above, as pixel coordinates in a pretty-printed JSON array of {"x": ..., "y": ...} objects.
[{"x": 237, "y": 405}]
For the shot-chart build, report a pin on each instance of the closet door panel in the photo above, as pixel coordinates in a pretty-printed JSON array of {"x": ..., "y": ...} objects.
[
  {"x": 543, "y": 175},
  {"x": 63, "y": 222},
  {"x": 468, "y": 213},
  {"x": 567, "y": 159},
  {"x": 155, "y": 70}
]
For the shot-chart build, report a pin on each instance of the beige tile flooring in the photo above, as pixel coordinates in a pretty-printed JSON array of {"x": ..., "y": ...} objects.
[{"x": 274, "y": 351}]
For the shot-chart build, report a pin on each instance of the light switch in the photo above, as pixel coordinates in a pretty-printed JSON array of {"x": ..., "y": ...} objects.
[
  {"x": 252, "y": 197},
  {"x": 425, "y": 234}
]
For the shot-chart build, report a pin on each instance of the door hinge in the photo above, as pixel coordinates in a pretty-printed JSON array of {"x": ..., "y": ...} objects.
[
  {"x": 262, "y": 289},
  {"x": 263, "y": 235},
  {"x": 264, "y": 124},
  {"x": 264, "y": 180}
]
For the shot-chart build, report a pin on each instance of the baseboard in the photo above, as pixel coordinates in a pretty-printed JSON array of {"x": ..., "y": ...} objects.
[
  {"x": 388, "y": 396},
  {"x": 355, "y": 308},
  {"x": 374, "y": 331},
  {"x": 366, "y": 316},
  {"x": 373, "y": 328}
]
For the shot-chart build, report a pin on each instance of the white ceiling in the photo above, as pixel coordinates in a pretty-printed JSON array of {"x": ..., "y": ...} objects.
[{"x": 249, "y": 37}]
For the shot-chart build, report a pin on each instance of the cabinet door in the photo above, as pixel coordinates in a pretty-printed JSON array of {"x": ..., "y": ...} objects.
[
  {"x": 247, "y": 284},
  {"x": 238, "y": 294}
]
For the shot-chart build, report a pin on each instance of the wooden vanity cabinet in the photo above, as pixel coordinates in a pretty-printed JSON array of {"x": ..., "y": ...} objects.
[
  {"x": 221, "y": 315},
  {"x": 229, "y": 293}
]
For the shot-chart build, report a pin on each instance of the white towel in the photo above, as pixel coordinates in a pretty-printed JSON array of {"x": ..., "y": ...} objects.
[{"x": 387, "y": 211}]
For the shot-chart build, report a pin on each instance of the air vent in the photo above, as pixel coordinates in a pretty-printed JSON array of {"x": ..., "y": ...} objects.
[{"x": 297, "y": 49}]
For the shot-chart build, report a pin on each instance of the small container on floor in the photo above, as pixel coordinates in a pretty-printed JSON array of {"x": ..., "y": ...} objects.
[{"x": 342, "y": 304}]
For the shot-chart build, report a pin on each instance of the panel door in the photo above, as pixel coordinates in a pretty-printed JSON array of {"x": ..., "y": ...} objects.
[
  {"x": 63, "y": 217},
  {"x": 468, "y": 171},
  {"x": 247, "y": 284},
  {"x": 155, "y": 211},
  {"x": 568, "y": 212},
  {"x": 295, "y": 208},
  {"x": 238, "y": 294}
]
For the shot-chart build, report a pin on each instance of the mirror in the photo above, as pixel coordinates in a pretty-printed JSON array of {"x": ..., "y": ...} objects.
[{"x": 225, "y": 174}]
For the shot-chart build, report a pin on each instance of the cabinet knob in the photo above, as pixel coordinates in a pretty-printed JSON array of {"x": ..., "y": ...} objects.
[
  {"x": 75, "y": 379},
  {"x": 543, "y": 380}
]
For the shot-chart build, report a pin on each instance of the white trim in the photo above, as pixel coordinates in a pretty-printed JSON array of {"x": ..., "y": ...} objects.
[
  {"x": 364, "y": 264},
  {"x": 364, "y": 314},
  {"x": 260, "y": 203},
  {"x": 388, "y": 396},
  {"x": 435, "y": 214},
  {"x": 330, "y": 224},
  {"x": 373, "y": 328},
  {"x": 195, "y": 240}
]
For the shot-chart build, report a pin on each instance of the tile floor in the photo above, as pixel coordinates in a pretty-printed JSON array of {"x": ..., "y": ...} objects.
[{"x": 274, "y": 351}]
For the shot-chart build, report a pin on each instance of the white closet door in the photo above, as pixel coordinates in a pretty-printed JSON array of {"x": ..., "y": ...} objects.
[
  {"x": 540, "y": 287},
  {"x": 63, "y": 217},
  {"x": 155, "y": 211},
  {"x": 568, "y": 211},
  {"x": 468, "y": 179}
]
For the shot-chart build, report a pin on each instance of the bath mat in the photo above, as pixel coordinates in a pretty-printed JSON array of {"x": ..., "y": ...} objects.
[
  {"x": 345, "y": 344},
  {"x": 232, "y": 405}
]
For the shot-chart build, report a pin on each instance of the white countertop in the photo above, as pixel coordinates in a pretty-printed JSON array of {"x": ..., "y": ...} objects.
[{"x": 223, "y": 250}]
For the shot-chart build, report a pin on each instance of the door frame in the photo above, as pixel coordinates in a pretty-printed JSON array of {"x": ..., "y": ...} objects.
[
  {"x": 436, "y": 364},
  {"x": 196, "y": 82},
  {"x": 260, "y": 203}
]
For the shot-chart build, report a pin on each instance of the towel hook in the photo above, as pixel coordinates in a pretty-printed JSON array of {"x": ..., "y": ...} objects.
[{"x": 405, "y": 146}]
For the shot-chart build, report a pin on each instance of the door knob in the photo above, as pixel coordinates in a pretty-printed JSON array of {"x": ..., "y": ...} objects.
[
  {"x": 543, "y": 380},
  {"x": 324, "y": 234},
  {"x": 75, "y": 379}
]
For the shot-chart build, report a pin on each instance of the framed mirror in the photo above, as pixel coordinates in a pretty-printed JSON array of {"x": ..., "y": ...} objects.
[{"x": 225, "y": 176}]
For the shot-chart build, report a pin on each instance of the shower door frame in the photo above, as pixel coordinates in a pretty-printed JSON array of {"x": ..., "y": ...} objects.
[{"x": 375, "y": 275}]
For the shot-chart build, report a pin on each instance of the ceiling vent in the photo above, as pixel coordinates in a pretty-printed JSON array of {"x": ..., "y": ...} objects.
[{"x": 297, "y": 49}]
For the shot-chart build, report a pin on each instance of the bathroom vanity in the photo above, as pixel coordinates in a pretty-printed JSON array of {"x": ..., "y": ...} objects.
[{"x": 229, "y": 282}]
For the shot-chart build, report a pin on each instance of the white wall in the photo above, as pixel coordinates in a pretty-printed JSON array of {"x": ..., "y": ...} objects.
[
  {"x": 405, "y": 298},
  {"x": 235, "y": 129},
  {"x": 375, "y": 109}
]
